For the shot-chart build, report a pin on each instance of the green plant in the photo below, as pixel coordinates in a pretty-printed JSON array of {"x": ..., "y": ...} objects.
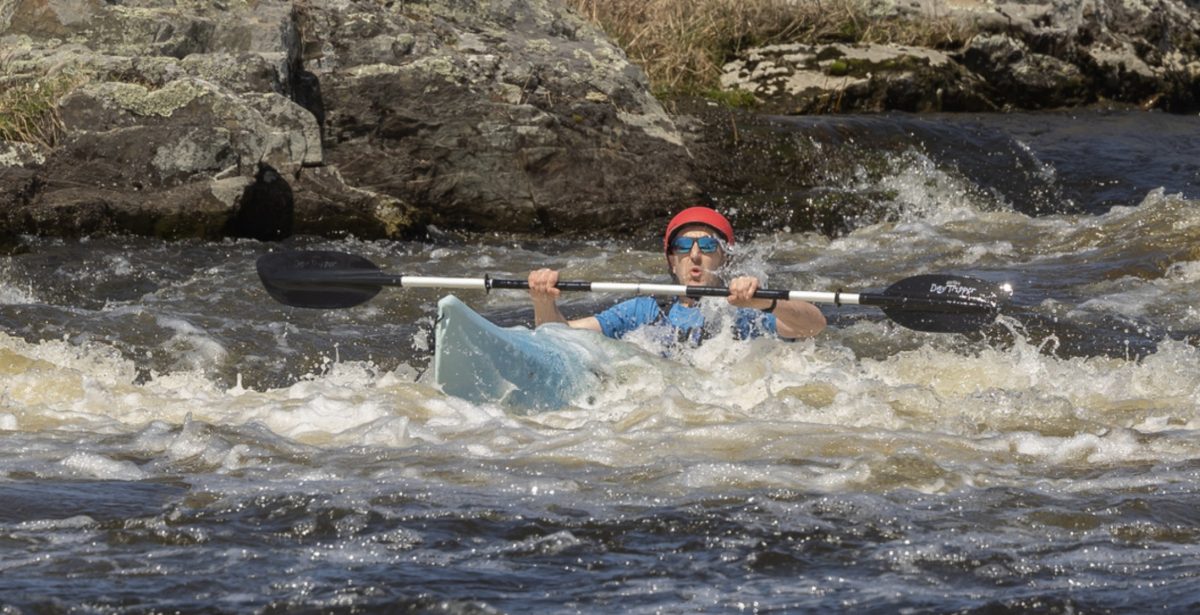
[{"x": 737, "y": 98}]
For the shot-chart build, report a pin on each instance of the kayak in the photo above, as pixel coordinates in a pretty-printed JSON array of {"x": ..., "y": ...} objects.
[{"x": 525, "y": 370}]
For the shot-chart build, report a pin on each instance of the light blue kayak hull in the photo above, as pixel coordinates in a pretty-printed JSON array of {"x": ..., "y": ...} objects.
[{"x": 543, "y": 369}]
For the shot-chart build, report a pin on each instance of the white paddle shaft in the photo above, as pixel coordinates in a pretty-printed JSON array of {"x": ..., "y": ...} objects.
[{"x": 680, "y": 290}]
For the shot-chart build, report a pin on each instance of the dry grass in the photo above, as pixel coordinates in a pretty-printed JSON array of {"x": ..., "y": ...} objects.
[
  {"x": 29, "y": 108},
  {"x": 682, "y": 44}
]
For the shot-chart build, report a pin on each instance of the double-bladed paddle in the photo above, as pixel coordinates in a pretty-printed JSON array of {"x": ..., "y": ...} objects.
[{"x": 930, "y": 302}]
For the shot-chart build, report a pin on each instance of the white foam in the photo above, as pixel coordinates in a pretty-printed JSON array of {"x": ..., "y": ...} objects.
[
  {"x": 192, "y": 347},
  {"x": 90, "y": 465},
  {"x": 725, "y": 415}
]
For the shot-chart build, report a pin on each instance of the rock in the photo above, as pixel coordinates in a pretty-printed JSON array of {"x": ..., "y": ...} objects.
[
  {"x": 1025, "y": 79},
  {"x": 333, "y": 117},
  {"x": 512, "y": 116},
  {"x": 806, "y": 79},
  {"x": 326, "y": 205},
  {"x": 1033, "y": 54},
  {"x": 167, "y": 107}
]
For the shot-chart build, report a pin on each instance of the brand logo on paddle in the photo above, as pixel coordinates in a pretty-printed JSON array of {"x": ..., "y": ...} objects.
[{"x": 952, "y": 287}]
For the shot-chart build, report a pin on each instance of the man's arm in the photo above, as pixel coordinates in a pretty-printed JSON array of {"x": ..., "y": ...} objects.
[
  {"x": 796, "y": 319},
  {"x": 793, "y": 319},
  {"x": 545, "y": 302}
]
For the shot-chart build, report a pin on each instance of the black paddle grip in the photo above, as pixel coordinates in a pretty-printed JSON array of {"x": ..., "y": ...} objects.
[
  {"x": 522, "y": 284},
  {"x": 721, "y": 291},
  {"x": 507, "y": 284},
  {"x": 569, "y": 286}
]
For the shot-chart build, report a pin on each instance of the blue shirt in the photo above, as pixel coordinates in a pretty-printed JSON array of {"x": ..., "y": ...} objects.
[{"x": 682, "y": 321}]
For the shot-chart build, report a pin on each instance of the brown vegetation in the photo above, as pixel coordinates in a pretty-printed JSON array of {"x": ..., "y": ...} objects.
[
  {"x": 29, "y": 108},
  {"x": 682, "y": 44}
]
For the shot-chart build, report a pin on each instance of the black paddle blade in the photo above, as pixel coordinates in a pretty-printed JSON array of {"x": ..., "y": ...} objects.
[
  {"x": 941, "y": 303},
  {"x": 319, "y": 279}
]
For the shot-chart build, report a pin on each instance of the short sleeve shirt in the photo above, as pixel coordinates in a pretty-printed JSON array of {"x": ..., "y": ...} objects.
[{"x": 620, "y": 319}]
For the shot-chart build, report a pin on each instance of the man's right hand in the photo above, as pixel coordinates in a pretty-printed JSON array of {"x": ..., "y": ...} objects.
[
  {"x": 542, "y": 285},
  {"x": 545, "y": 294}
]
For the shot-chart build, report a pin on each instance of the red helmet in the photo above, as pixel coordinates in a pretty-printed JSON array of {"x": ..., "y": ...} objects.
[{"x": 698, "y": 215}]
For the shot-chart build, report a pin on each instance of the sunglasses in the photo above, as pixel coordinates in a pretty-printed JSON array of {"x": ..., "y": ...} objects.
[{"x": 682, "y": 245}]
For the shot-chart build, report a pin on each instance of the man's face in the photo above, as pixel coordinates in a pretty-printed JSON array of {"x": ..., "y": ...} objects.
[{"x": 694, "y": 266}]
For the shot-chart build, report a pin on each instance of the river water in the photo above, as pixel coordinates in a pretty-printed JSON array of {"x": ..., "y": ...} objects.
[{"x": 176, "y": 441}]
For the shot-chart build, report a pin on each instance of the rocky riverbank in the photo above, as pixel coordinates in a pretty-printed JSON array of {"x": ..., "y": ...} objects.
[
  {"x": 1021, "y": 54},
  {"x": 215, "y": 118}
]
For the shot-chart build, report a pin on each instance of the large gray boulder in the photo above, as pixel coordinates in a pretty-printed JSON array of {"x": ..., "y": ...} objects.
[{"x": 512, "y": 115}]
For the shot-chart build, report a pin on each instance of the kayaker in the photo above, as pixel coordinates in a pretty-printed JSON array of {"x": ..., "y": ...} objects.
[{"x": 697, "y": 244}]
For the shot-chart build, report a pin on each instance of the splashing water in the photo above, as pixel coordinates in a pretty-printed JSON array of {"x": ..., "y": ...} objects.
[{"x": 174, "y": 440}]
